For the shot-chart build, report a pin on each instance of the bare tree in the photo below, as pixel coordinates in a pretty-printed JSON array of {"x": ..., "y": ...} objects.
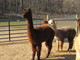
[{"x": 41, "y": 6}]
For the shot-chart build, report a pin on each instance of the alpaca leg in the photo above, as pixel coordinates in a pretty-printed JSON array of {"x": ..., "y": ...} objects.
[
  {"x": 70, "y": 40},
  {"x": 38, "y": 48},
  {"x": 59, "y": 45},
  {"x": 62, "y": 42},
  {"x": 34, "y": 51},
  {"x": 49, "y": 46}
]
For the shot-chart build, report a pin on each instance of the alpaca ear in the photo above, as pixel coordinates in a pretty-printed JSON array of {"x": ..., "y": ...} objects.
[
  {"x": 29, "y": 9},
  {"x": 24, "y": 11}
]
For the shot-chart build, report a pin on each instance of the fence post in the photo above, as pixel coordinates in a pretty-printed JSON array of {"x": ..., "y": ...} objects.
[
  {"x": 9, "y": 30},
  {"x": 47, "y": 17}
]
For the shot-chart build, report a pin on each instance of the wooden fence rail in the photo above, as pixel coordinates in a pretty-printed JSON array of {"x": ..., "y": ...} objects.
[
  {"x": 14, "y": 31},
  {"x": 17, "y": 30}
]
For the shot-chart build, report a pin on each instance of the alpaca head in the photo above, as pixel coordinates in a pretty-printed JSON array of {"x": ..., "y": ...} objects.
[
  {"x": 45, "y": 22},
  {"x": 51, "y": 22},
  {"x": 27, "y": 13}
]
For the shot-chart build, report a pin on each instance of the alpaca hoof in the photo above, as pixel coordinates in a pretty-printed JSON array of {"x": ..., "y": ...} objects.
[
  {"x": 47, "y": 56},
  {"x": 67, "y": 49}
]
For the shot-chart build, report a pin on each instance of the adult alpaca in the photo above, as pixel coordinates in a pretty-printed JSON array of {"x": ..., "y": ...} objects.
[
  {"x": 63, "y": 33},
  {"x": 38, "y": 35}
]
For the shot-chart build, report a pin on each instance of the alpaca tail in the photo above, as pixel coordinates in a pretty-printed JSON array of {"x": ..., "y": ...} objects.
[
  {"x": 73, "y": 32},
  {"x": 71, "y": 38}
]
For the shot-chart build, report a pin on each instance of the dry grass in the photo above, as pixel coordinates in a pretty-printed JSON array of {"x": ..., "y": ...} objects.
[{"x": 21, "y": 50}]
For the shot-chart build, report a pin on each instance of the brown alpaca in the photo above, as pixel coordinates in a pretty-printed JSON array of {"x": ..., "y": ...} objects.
[
  {"x": 38, "y": 35},
  {"x": 63, "y": 33},
  {"x": 45, "y": 22}
]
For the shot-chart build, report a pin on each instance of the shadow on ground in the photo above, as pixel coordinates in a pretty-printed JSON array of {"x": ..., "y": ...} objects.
[{"x": 62, "y": 56}]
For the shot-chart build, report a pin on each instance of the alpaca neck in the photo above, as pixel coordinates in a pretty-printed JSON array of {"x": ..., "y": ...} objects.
[
  {"x": 30, "y": 25},
  {"x": 56, "y": 30},
  {"x": 31, "y": 31}
]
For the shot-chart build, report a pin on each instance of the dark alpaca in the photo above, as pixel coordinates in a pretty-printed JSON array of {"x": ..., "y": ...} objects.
[
  {"x": 38, "y": 35},
  {"x": 63, "y": 33},
  {"x": 45, "y": 22}
]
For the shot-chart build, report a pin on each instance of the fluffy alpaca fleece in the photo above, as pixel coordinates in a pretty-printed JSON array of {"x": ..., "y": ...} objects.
[
  {"x": 62, "y": 33},
  {"x": 77, "y": 47}
]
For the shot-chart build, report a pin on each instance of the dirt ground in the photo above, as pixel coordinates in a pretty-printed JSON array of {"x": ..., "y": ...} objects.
[{"x": 21, "y": 50}]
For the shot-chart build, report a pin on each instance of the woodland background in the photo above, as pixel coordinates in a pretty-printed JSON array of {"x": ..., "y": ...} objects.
[{"x": 40, "y": 6}]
